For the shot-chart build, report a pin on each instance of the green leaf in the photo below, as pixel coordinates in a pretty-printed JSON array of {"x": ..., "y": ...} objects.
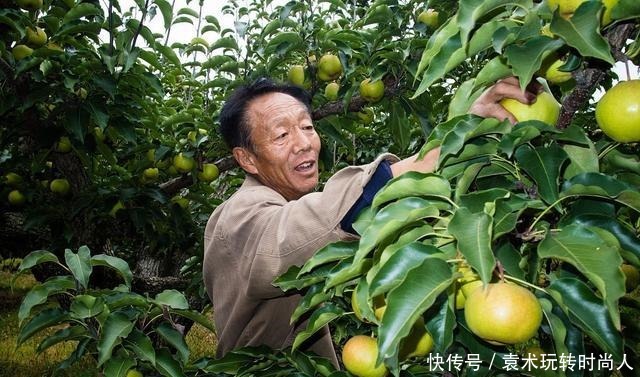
[
  {"x": 116, "y": 327},
  {"x": 182, "y": 20},
  {"x": 82, "y": 10},
  {"x": 188, "y": 12},
  {"x": 543, "y": 165},
  {"x": 448, "y": 54},
  {"x": 413, "y": 184},
  {"x": 363, "y": 301},
  {"x": 392, "y": 218},
  {"x": 42, "y": 320},
  {"x": 473, "y": 235},
  {"x": 313, "y": 297},
  {"x": 117, "y": 300},
  {"x": 399, "y": 125},
  {"x": 82, "y": 348},
  {"x": 230, "y": 363},
  {"x": 556, "y": 326},
  {"x": 79, "y": 264},
  {"x": 169, "y": 54},
  {"x": 494, "y": 70},
  {"x": 586, "y": 310},
  {"x": 441, "y": 323},
  {"x": 581, "y": 31},
  {"x": 629, "y": 241},
  {"x": 140, "y": 343},
  {"x": 626, "y": 9},
  {"x": 118, "y": 366},
  {"x": 602, "y": 185},
  {"x": 40, "y": 293},
  {"x": 464, "y": 96},
  {"x": 86, "y": 306},
  {"x": 436, "y": 43},
  {"x": 196, "y": 317},
  {"x": 35, "y": 258},
  {"x": 171, "y": 298},
  {"x": 510, "y": 259},
  {"x": 586, "y": 250},
  {"x": 346, "y": 270},
  {"x": 175, "y": 339},
  {"x": 62, "y": 335},
  {"x": 507, "y": 214},
  {"x": 331, "y": 253},
  {"x": 408, "y": 301},
  {"x": 523, "y": 133},
  {"x": 583, "y": 159},
  {"x": 526, "y": 59},
  {"x": 395, "y": 269},
  {"x": 167, "y": 365},
  {"x": 320, "y": 318},
  {"x": 470, "y": 11},
  {"x": 467, "y": 179},
  {"x": 167, "y": 12},
  {"x": 290, "y": 280},
  {"x": 283, "y": 42},
  {"x": 225, "y": 43},
  {"x": 476, "y": 201},
  {"x": 456, "y": 139},
  {"x": 116, "y": 263}
]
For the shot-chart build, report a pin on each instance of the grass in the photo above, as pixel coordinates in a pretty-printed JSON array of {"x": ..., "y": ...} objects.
[{"x": 24, "y": 361}]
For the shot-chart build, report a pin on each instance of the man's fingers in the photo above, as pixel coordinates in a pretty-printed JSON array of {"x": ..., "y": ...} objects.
[
  {"x": 509, "y": 88},
  {"x": 492, "y": 111}
]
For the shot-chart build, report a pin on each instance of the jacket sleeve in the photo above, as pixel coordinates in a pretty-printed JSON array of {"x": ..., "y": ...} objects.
[{"x": 289, "y": 233}]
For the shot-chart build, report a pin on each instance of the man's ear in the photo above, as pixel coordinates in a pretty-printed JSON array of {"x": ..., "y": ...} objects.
[{"x": 245, "y": 159}]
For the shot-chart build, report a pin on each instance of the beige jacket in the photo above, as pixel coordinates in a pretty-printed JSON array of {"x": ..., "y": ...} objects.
[{"x": 254, "y": 237}]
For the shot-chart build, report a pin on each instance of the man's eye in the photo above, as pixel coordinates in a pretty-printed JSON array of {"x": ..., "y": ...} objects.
[
  {"x": 282, "y": 136},
  {"x": 308, "y": 128}
]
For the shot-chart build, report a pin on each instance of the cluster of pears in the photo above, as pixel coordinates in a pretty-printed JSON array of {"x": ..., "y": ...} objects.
[{"x": 329, "y": 69}]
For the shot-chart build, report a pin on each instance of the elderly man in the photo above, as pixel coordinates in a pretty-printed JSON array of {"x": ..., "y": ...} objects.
[{"x": 277, "y": 219}]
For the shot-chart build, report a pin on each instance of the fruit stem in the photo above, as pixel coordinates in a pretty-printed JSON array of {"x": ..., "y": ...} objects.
[
  {"x": 545, "y": 212},
  {"x": 626, "y": 66},
  {"x": 608, "y": 149},
  {"x": 526, "y": 283}
]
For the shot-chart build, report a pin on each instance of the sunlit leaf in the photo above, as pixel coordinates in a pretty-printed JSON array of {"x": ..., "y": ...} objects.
[
  {"x": 80, "y": 264},
  {"x": 473, "y": 233},
  {"x": 395, "y": 270},
  {"x": 408, "y": 301},
  {"x": 581, "y": 31},
  {"x": 413, "y": 184}
]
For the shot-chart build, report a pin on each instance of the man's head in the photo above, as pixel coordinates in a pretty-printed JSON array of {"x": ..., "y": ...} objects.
[{"x": 269, "y": 129}]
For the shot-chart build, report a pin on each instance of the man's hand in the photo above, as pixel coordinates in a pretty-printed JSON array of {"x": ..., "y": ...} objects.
[{"x": 488, "y": 104}]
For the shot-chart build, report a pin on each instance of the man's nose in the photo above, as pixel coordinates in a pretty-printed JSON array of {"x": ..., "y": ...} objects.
[{"x": 303, "y": 140}]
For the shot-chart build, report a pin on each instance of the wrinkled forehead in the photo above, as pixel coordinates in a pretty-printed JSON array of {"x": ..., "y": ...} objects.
[{"x": 271, "y": 108}]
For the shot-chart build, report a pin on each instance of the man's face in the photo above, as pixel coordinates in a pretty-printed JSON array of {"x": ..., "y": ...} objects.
[{"x": 286, "y": 145}]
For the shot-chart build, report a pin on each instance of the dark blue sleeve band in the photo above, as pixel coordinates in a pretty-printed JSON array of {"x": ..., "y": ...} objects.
[{"x": 378, "y": 180}]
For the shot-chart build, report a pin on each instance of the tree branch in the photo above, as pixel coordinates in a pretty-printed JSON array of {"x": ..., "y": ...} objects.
[
  {"x": 357, "y": 103},
  {"x": 589, "y": 79}
]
